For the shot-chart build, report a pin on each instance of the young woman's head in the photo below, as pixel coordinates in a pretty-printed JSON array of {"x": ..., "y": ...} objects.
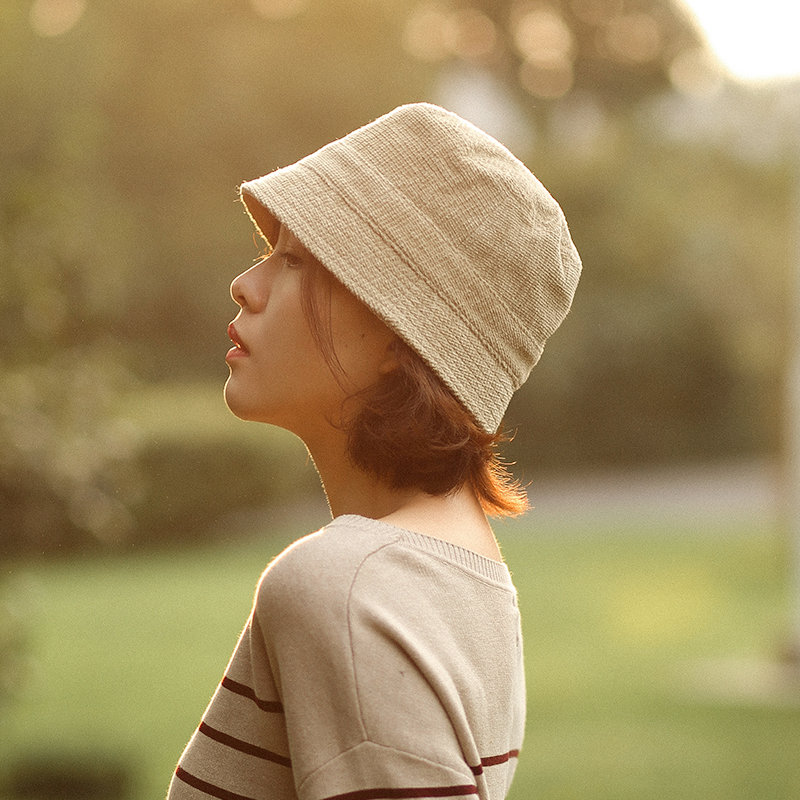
[
  {"x": 308, "y": 353},
  {"x": 465, "y": 262}
]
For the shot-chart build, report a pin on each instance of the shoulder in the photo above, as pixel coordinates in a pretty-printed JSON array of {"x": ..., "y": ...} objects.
[
  {"x": 320, "y": 568},
  {"x": 356, "y": 563},
  {"x": 336, "y": 549}
]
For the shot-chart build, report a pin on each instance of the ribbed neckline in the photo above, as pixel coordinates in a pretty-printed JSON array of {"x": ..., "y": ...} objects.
[{"x": 495, "y": 571}]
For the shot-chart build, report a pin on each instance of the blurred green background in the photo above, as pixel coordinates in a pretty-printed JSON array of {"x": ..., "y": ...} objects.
[{"x": 136, "y": 513}]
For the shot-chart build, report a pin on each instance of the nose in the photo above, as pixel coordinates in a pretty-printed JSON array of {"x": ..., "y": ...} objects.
[
  {"x": 238, "y": 292},
  {"x": 251, "y": 289}
]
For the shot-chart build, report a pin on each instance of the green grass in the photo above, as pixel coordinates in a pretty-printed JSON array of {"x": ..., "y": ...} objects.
[
  {"x": 617, "y": 627},
  {"x": 125, "y": 653}
]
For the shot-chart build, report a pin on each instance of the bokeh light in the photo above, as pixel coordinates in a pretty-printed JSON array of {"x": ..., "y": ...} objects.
[
  {"x": 547, "y": 82},
  {"x": 469, "y": 33},
  {"x": 543, "y": 37},
  {"x": 54, "y": 17},
  {"x": 545, "y": 42},
  {"x": 696, "y": 72},
  {"x": 633, "y": 37},
  {"x": 434, "y": 33},
  {"x": 423, "y": 37}
]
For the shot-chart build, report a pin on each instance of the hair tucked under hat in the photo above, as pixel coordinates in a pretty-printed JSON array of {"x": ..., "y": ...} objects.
[{"x": 444, "y": 234}]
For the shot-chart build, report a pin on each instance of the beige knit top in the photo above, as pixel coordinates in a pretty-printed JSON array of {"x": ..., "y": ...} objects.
[{"x": 377, "y": 663}]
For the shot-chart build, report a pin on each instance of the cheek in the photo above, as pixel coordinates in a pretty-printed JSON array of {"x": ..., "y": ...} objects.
[
  {"x": 362, "y": 345},
  {"x": 289, "y": 356}
]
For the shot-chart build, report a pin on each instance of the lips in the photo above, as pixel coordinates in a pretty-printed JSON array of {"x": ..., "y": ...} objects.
[{"x": 234, "y": 337}]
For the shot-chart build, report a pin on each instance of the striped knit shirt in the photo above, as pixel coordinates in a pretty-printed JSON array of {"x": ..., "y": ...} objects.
[{"x": 377, "y": 663}]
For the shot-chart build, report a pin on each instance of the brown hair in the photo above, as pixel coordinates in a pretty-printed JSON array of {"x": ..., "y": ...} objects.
[{"x": 410, "y": 430}]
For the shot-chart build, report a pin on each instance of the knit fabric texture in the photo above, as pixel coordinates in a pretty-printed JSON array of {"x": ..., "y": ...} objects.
[
  {"x": 377, "y": 663},
  {"x": 444, "y": 234}
]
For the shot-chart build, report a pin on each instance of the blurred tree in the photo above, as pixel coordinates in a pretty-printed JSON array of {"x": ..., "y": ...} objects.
[
  {"x": 674, "y": 348},
  {"x": 63, "y": 249},
  {"x": 125, "y": 123},
  {"x": 197, "y": 97}
]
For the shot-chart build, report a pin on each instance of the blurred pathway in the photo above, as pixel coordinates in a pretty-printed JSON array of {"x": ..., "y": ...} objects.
[
  {"x": 744, "y": 490},
  {"x": 740, "y": 492}
]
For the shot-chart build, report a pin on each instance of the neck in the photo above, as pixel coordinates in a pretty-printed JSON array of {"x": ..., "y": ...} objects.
[
  {"x": 350, "y": 490},
  {"x": 457, "y": 518}
]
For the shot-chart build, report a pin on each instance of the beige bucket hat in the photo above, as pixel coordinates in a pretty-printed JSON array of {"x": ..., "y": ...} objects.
[{"x": 444, "y": 234}]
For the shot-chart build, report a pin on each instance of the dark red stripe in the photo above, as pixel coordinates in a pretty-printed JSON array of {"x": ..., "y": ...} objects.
[
  {"x": 402, "y": 794},
  {"x": 208, "y": 788},
  {"x": 242, "y": 746},
  {"x": 272, "y": 706},
  {"x": 492, "y": 761}
]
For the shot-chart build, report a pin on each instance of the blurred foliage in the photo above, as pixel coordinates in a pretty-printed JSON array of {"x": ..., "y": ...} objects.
[
  {"x": 207, "y": 469},
  {"x": 65, "y": 461},
  {"x": 128, "y": 126},
  {"x": 675, "y": 347}
]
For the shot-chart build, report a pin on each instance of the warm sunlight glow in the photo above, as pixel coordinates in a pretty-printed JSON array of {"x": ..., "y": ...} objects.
[
  {"x": 696, "y": 72},
  {"x": 755, "y": 41},
  {"x": 543, "y": 37}
]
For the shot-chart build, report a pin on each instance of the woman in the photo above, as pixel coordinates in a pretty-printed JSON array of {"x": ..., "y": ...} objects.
[{"x": 414, "y": 270}]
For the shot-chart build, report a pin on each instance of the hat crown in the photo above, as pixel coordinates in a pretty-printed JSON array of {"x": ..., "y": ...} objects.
[{"x": 448, "y": 237}]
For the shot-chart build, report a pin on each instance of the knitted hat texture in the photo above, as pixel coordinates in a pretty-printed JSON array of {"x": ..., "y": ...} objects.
[{"x": 444, "y": 234}]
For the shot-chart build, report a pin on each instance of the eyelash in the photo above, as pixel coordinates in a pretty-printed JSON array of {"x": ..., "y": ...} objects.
[{"x": 292, "y": 260}]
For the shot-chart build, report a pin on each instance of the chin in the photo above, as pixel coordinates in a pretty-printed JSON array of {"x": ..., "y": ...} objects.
[
  {"x": 246, "y": 407},
  {"x": 234, "y": 403}
]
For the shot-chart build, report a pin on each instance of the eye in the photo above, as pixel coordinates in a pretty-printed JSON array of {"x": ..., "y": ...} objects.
[
  {"x": 292, "y": 255},
  {"x": 293, "y": 260}
]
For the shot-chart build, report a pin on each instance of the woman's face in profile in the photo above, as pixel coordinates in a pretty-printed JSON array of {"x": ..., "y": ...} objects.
[{"x": 278, "y": 373}]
